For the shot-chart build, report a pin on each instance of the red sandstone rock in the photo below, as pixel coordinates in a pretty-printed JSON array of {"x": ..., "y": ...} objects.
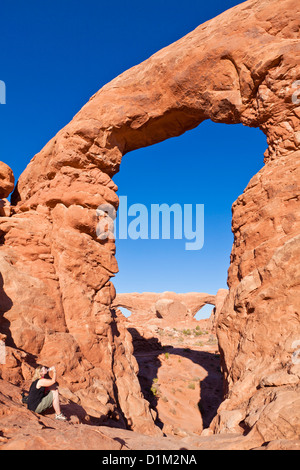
[
  {"x": 7, "y": 180},
  {"x": 258, "y": 323},
  {"x": 237, "y": 68}
]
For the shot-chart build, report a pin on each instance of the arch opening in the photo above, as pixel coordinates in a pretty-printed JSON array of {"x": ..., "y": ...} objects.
[{"x": 210, "y": 165}]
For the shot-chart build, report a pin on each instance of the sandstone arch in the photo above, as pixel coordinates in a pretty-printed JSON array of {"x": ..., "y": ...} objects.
[
  {"x": 170, "y": 307},
  {"x": 236, "y": 68},
  {"x": 145, "y": 302}
]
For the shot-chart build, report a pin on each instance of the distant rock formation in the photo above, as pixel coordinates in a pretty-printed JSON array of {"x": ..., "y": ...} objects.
[
  {"x": 240, "y": 67},
  {"x": 170, "y": 307}
]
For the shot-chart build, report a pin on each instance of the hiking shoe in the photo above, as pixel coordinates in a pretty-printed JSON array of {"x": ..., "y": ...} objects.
[{"x": 61, "y": 417}]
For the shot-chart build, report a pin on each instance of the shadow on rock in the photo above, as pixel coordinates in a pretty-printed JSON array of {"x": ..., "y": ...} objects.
[
  {"x": 5, "y": 305},
  {"x": 147, "y": 352}
]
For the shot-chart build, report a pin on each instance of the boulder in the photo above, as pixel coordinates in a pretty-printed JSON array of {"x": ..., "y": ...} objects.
[{"x": 7, "y": 180}]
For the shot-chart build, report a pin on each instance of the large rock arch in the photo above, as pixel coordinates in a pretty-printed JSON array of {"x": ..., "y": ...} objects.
[{"x": 237, "y": 68}]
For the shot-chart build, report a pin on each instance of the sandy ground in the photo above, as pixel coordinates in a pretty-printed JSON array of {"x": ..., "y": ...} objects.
[{"x": 180, "y": 376}]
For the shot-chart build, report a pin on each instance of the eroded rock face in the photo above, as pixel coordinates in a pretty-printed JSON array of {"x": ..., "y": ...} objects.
[
  {"x": 258, "y": 327},
  {"x": 55, "y": 274}
]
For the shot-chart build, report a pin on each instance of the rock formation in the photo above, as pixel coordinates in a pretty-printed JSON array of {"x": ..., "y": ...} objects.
[
  {"x": 258, "y": 327},
  {"x": 7, "y": 184},
  {"x": 240, "y": 67},
  {"x": 7, "y": 180},
  {"x": 166, "y": 308}
]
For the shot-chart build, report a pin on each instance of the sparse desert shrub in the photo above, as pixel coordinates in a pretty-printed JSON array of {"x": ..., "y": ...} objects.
[
  {"x": 198, "y": 333},
  {"x": 187, "y": 332},
  {"x": 155, "y": 388}
]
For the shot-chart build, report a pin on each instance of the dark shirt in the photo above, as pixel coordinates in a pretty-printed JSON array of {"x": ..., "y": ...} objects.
[{"x": 35, "y": 396}]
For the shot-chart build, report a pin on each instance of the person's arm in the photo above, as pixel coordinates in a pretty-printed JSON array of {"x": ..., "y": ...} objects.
[{"x": 47, "y": 382}]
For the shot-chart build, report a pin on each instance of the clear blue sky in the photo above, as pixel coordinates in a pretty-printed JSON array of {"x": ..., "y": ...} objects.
[{"x": 55, "y": 55}]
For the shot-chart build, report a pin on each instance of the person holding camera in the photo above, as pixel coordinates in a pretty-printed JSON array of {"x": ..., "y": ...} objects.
[{"x": 39, "y": 399}]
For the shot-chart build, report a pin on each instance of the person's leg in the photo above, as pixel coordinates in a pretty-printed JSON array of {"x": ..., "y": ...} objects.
[
  {"x": 51, "y": 399},
  {"x": 55, "y": 403},
  {"x": 45, "y": 403}
]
